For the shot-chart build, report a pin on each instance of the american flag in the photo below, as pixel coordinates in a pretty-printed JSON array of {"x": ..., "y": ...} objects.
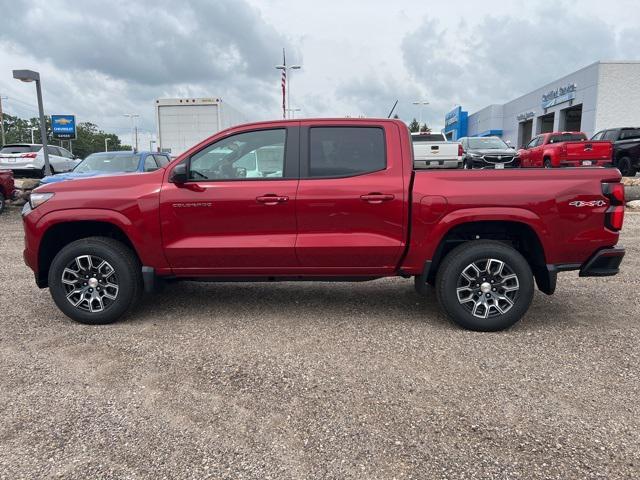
[{"x": 284, "y": 85}]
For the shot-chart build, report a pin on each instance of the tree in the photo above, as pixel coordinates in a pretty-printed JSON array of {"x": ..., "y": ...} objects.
[
  {"x": 414, "y": 126},
  {"x": 396, "y": 116},
  {"x": 425, "y": 129},
  {"x": 90, "y": 139}
]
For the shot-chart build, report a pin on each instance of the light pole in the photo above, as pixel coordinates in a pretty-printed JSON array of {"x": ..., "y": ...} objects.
[
  {"x": 421, "y": 104},
  {"x": 32, "y": 139},
  {"x": 106, "y": 142},
  {"x": 132, "y": 116},
  {"x": 31, "y": 76},
  {"x": 287, "y": 69}
]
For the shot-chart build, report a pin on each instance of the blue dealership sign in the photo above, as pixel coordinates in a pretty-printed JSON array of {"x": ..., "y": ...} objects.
[{"x": 63, "y": 127}]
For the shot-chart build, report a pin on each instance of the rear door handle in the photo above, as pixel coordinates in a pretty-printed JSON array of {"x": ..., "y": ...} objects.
[
  {"x": 272, "y": 199},
  {"x": 377, "y": 197}
]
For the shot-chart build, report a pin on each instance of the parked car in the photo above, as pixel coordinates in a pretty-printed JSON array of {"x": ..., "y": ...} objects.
[
  {"x": 112, "y": 163},
  {"x": 626, "y": 148},
  {"x": 7, "y": 188},
  {"x": 433, "y": 150},
  {"x": 487, "y": 152},
  {"x": 565, "y": 149},
  {"x": 347, "y": 205},
  {"x": 27, "y": 159}
]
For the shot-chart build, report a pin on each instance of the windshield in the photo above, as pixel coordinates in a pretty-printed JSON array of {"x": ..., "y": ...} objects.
[
  {"x": 428, "y": 137},
  {"x": 105, "y": 162},
  {"x": 20, "y": 148},
  {"x": 489, "y": 143}
]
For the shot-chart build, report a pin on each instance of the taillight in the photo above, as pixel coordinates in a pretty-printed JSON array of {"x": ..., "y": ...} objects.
[
  {"x": 614, "y": 216},
  {"x": 460, "y": 150},
  {"x": 29, "y": 155}
]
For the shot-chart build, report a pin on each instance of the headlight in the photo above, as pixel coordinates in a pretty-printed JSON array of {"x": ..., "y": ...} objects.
[{"x": 37, "y": 199}]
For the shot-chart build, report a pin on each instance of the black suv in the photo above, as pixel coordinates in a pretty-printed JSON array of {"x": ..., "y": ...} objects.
[
  {"x": 487, "y": 152},
  {"x": 626, "y": 148}
]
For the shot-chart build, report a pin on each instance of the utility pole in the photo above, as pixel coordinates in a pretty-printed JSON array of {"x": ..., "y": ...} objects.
[
  {"x": 106, "y": 141},
  {"x": 421, "y": 104},
  {"x": 134, "y": 134},
  {"x": 2, "y": 119}
]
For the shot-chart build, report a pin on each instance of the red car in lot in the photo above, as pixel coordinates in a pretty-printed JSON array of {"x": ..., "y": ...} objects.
[
  {"x": 7, "y": 188},
  {"x": 565, "y": 149},
  {"x": 327, "y": 199}
]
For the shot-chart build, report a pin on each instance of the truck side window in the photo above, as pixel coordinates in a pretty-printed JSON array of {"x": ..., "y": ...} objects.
[
  {"x": 161, "y": 160},
  {"x": 258, "y": 154},
  {"x": 345, "y": 151},
  {"x": 610, "y": 135}
]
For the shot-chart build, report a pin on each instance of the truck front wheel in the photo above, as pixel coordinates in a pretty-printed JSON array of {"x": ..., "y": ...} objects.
[
  {"x": 484, "y": 285},
  {"x": 95, "y": 280}
]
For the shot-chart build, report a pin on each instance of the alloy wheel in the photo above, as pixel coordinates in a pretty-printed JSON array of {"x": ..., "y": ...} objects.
[
  {"x": 90, "y": 283},
  {"x": 487, "y": 288}
]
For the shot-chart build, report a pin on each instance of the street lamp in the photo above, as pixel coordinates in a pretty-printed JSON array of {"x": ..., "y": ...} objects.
[
  {"x": 286, "y": 69},
  {"x": 32, "y": 139},
  {"x": 132, "y": 116},
  {"x": 151, "y": 142},
  {"x": 106, "y": 141},
  {"x": 31, "y": 76},
  {"x": 421, "y": 104}
]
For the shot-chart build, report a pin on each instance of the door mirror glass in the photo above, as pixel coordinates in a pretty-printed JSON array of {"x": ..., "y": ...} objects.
[{"x": 179, "y": 174}]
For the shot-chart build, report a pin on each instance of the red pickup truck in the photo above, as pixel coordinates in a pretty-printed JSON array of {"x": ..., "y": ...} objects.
[
  {"x": 7, "y": 187},
  {"x": 324, "y": 199},
  {"x": 565, "y": 149}
]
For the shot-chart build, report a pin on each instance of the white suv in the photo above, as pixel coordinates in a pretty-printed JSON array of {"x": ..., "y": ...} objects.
[{"x": 27, "y": 158}]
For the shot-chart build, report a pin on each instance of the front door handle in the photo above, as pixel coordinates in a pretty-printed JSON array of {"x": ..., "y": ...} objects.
[
  {"x": 272, "y": 199},
  {"x": 377, "y": 197}
]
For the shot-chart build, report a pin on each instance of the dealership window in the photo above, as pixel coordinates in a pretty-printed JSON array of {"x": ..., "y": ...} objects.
[
  {"x": 345, "y": 151},
  {"x": 258, "y": 154}
]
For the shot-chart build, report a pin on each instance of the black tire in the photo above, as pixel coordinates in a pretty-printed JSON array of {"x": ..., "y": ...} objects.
[
  {"x": 2, "y": 202},
  {"x": 547, "y": 163},
  {"x": 466, "y": 165},
  {"x": 126, "y": 275},
  {"x": 626, "y": 167},
  {"x": 450, "y": 275}
]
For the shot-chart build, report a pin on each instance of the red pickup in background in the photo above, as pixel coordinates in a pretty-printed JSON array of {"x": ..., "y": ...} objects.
[{"x": 565, "y": 149}]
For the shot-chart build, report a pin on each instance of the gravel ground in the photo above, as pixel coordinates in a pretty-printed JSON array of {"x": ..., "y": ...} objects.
[{"x": 313, "y": 380}]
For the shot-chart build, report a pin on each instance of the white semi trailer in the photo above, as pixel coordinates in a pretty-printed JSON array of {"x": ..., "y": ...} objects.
[{"x": 183, "y": 122}]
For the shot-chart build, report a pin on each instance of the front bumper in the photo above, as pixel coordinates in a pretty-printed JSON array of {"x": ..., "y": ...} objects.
[{"x": 483, "y": 164}]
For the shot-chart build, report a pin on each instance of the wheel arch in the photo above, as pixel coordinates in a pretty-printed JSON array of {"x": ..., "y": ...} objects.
[
  {"x": 519, "y": 234},
  {"x": 60, "y": 234}
]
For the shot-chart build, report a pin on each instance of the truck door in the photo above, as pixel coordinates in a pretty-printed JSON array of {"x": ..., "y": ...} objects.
[
  {"x": 351, "y": 198},
  {"x": 235, "y": 214}
]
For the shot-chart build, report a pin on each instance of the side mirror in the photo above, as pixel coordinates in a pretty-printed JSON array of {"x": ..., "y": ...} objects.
[{"x": 179, "y": 174}]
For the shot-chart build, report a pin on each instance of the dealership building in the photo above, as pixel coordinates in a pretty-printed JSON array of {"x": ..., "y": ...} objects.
[{"x": 602, "y": 95}]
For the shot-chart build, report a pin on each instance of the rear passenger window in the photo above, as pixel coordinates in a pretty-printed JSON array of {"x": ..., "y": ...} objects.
[{"x": 345, "y": 151}]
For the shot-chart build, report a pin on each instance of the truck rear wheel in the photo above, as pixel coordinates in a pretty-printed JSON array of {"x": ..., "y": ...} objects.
[
  {"x": 547, "y": 163},
  {"x": 95, "y": 280},
  {"x": 2, "y": 200},
  {"x": 484, "y": 285}
]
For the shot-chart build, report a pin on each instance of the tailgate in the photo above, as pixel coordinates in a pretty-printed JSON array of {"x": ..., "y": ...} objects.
[
  {"x": 435, "y": 150},
  {"x": 589, "y": 150}
]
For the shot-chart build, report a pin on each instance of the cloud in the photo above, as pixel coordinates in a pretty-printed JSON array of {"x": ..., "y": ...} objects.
[
  {"x": 101, "y": 59},
  {"x": 499, "y": 58}
]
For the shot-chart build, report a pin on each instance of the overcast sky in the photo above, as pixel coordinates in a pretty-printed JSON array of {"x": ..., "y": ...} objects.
[{"x": 100, "y": 59}]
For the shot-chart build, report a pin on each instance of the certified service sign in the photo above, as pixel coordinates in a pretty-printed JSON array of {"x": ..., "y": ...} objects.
[{"x": 64, "y": 127}]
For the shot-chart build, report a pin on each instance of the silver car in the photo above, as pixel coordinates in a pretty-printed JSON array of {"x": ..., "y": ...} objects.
[{"x": 28, "y": 159}]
